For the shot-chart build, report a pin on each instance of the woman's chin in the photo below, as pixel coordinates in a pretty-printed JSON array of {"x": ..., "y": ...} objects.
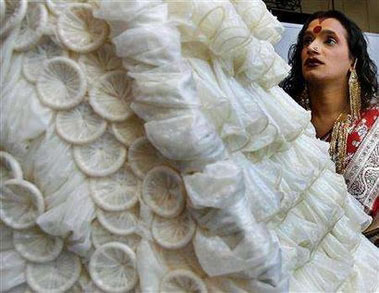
[{"x": 312, "y": 76}]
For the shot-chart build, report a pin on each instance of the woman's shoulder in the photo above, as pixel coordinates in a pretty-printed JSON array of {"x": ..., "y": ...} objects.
[
  {"x": 371, "y": 113},
  {"x": 367, "y": 119},
  {"x": 361, "y": 128}
]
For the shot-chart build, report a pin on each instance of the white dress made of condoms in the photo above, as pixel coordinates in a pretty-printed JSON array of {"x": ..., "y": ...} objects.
[{"x": 146, "y": 147}]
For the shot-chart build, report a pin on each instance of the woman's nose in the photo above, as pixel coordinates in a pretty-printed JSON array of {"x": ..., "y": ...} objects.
[{"x": 314, "y": 47}]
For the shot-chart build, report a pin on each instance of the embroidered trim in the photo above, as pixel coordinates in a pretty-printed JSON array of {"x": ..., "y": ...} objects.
[{"x": 362, "y": 172}]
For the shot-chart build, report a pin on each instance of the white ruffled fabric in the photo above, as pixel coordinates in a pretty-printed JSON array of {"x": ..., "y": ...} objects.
[
  {"x": 270, "y": 213},
  {"x": 191, "y": 137},
  {"x": 284, "y": 178},
  {"x": 259, "y": 20}
]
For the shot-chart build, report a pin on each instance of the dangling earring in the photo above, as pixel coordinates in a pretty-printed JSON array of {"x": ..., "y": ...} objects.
[
  {"x": 354, "y": 93},
  {"x": 304, "y": 99},
  {"x": 338, "y": 141}
]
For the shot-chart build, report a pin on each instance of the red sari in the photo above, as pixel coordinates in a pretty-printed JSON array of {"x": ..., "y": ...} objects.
[
  {"x": 362, "y": 160},
  {"x": 362, "y": 165}
]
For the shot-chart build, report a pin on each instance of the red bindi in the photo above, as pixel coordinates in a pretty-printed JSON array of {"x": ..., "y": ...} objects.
[{"x": 317, "y": 29}]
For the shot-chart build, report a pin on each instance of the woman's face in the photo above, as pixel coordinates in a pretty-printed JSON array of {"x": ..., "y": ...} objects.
[{"x": 325, "y": 55}]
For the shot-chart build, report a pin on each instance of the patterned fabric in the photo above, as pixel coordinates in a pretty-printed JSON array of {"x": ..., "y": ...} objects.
[
  {"x": 362, "y": 166},
  {"x": 362, "y": 159}
]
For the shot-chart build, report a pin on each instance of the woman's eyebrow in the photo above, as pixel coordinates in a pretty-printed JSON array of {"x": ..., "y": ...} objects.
[
  {"x": 328, "y": 32},
  {"x": 323, "y": 32},
  {"x": 308, "y": 33}
]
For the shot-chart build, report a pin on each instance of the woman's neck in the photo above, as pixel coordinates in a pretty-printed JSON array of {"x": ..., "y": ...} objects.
[{"x": 328, "y": 102}]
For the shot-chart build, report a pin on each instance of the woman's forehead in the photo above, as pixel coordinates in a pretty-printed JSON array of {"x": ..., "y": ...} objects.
[{"x": 318, "y": 25}]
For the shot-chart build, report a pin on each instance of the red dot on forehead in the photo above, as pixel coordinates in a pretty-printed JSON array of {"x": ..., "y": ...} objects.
[{"x": 317, "y": 29}]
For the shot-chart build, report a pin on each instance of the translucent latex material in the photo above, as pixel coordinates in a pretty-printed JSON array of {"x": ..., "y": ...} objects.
[
  {"x": 62, "y": 84},
  {"x": 21, "y": 203},
  {"x": 45, "y": 49},
  {"x": 275, "y": 150},
  {"x": 14, "y": 12},
  {"x": 260, "y": 22},
  {"x": 55, "y": 276},
  {"x": 74, "y": 217},
  {"x": 6, "y": 240},
  {"x": 79, "y": 31},
  {"x": 26, "y": 120},
  {"x": 12, "y": 269},
  {"x": 32, "y": 27},
  {"x": 9, "y": 167},
  {"x": 36, "y": 246},
  {"x": 110, "y": 258},
  {"x": 263, "y": 210},
  {"x": 139, "y": 41},
  {"x": 184, "y": 138}
]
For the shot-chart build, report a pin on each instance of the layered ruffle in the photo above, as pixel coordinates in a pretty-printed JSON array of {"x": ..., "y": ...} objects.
[
  {"x": 255, "y": 205},
  {"x": 271, "y": 153},
  {"x": 188, "y": 136}
]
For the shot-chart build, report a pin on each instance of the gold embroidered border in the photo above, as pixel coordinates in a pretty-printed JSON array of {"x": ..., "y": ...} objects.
[{"x": 362, "y": 172}]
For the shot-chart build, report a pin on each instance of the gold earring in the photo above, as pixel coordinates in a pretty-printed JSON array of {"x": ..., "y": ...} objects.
[
  {"x": 304, "y": 99},
  {"x": 354, "y": 93}
]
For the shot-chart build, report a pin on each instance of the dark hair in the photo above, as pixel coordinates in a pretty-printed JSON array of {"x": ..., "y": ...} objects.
[{"x": 366, "y": 69}]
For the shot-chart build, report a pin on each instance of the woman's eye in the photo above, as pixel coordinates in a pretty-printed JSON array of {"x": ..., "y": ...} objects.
[
  {"x": 307, "y": 41},
  {"x": 330, "y": 41}
]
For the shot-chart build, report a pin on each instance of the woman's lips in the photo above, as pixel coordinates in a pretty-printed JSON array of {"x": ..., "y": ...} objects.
[{"x": 312, "y": 62}]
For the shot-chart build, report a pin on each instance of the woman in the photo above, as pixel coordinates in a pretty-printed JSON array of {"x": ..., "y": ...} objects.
[{"x": 333, "y": 76}]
